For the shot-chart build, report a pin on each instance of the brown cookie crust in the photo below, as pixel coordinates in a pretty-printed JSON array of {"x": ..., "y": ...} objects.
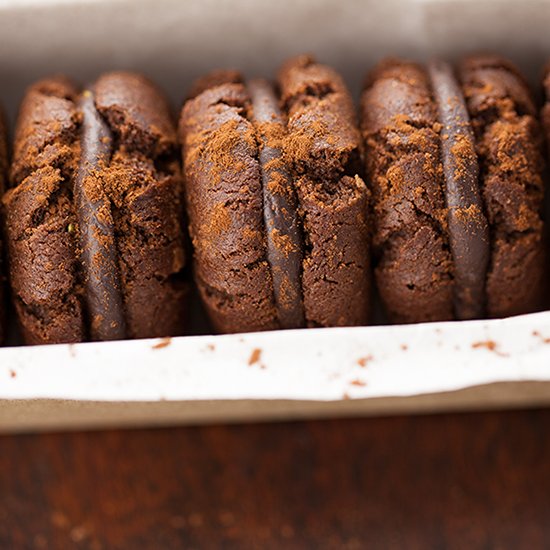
[
  {"x": 336, "y": 284},
  {"x": 39, "y": 215},
  {"x": 508, "y": 144},
  {"x": 47, "y": 129},
  {"x": 323, "y": 137},
  {"x": 223, "y": 193},
  {"x": 323, "y": 148},
  {"x": 138, "y": 113},
  {"x": 413, "y": 264}
]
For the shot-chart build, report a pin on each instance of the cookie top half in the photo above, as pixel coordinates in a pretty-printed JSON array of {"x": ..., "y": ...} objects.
[{"x": 93, "y": 213}]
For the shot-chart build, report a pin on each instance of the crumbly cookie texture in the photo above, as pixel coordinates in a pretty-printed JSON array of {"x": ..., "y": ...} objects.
[
  {"x": 314, "y": 142},
  {"x": 224, "y": 204},
  {"x": 457, "y": 189},
  {"x": 413, "y": 264},
  {"x": 324, "y": 150},
  {"x": 509, "y": 149},
  {"x": 142, "y": 183}
]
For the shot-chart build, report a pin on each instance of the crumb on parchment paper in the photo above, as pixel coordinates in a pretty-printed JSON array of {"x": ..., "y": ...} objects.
[
  {"x": 162, "y": 343},
  {"x": 255, "y": 356},
  {"x": 363, "y": 361},
  {"x": 490, "y": 345}
]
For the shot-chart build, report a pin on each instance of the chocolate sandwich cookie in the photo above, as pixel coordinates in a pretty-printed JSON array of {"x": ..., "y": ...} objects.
[
  {"x": 3, "y": 177},
  {"x": 93, "y": 214},
  {"x": 545, "y": 111},
  {"x": 454, "y": 161},
  {"x": 277, "y": 208}
]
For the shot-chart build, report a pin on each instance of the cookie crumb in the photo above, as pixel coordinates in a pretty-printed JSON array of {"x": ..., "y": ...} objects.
[
  {"x": 13, "y": 374},
  {"x": 489, "y": 345},
  {"x": 404, "y": 347},
  {"x": 255, "y": 356},
  {"x": 358, "y": 382},
  {"x": 537, "y": 334},
  {"x": 362, "y": 361},
  {"x": 164, "y": 342}
]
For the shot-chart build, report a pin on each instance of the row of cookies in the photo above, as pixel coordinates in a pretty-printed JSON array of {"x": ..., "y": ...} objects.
[{"x": 290, "y": 199}]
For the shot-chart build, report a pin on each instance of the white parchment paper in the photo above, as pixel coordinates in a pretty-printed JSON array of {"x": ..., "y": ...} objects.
[{"x": 318, "y": 364}]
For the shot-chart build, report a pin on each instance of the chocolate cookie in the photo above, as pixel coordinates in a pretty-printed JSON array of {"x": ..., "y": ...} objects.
[
  {"x": 93, "y": 216},
  {"x": 455, "y": 165},
  {"x": 277, "y": 208},
  {"x": 3, "y": 177}
]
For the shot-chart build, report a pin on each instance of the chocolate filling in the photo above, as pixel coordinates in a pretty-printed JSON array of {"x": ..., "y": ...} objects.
[
  {"x": 284, "y": 238},
  {"x": 96, "y": 228},
  {"x": 468, "y": 228}
]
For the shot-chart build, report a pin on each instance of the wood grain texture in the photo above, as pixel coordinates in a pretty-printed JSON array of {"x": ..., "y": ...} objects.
[{"x": 449, "y": 481}]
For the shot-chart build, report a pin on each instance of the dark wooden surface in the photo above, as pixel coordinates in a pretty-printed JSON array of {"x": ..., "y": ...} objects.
[{"x": 452, "y": 481}]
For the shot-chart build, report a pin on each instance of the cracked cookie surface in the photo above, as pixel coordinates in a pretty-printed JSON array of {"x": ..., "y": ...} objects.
[
  {"x": 413, "y": 264},
  {"x": 455, "y": 166},
  {"x": 140, "y": 183},
  {"x": 314, "y": 152}
]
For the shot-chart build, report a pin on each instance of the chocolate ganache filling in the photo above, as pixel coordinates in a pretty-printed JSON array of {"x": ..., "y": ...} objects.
[
  {"x": 468, "y": 227},
  {"x": 283, "y": 234}
]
